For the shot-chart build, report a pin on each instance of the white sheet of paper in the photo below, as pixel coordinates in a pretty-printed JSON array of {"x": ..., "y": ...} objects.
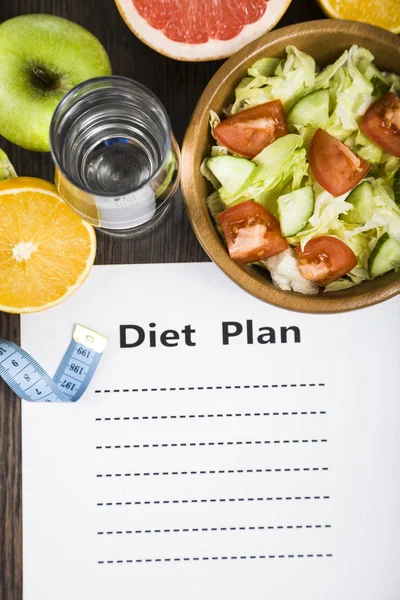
[{"x": 237, "y": 470}]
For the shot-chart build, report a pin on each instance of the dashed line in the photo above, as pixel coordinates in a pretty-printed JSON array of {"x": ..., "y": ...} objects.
[
  {"x": 213, "y": 529},
  {"x": 202, "y": 444},
  {"x": 214, "y": 415},
  {"x": 211, "y": 387},
  {"x": 212, "y": 472},
  {"x": 212, "y": 500},
  {"x": 204, "y": 558}
]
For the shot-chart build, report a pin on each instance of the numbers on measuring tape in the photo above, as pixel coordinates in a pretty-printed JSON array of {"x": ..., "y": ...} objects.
[
  {"x": 30, "y": 382},
  {"x": 76, "y": 369},
  {"x": 68, "y": 385},
  {"x": 83, "y": 352}
]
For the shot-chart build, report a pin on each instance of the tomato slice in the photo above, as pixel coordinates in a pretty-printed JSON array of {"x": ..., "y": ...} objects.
[
  {"x": 334, "y": 165},
  {"x": 325, "y": 259},
  {"x": 381, "y": 123},
  {"x": 251, "y": 130},
  {"x": 251, "y": 232}
]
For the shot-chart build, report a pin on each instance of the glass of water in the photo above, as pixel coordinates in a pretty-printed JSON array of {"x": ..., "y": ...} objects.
[{"x": 117, "y": 162}]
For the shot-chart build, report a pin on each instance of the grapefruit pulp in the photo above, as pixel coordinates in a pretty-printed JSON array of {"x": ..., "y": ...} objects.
[{"x": 196, "y": 30}]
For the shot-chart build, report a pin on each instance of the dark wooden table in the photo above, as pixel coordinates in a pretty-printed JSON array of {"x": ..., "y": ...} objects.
[{"x": 178, "y": 85}]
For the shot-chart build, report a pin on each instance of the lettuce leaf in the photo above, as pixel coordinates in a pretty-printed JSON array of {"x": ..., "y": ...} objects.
[
  {"x": 353, "y": 94},
  {"x": 368, "y": 150},
  {"x": 362, "y": 245},
  {"x": 387, "y": 213},
  {"x": 281, "y": 167},
  {"x": 387, "y": 171},
  {"x": 286, "y": 80},
  {"x": 339, "y": 284},
  {"x": 394, "y": 81},
  {"x": 276, "y": 155},
  {"x": 265, "y": 67},
  {"x": 324, "y": 79},
  {"x": 217, "y": 149},
  {"x": 208, "y": 174},
  {"x": 306, "y": 133},
  {"x": 325, "y": 219},
  {"x": 250, "y": 92},
  {"x": 216, "y": 207},
  {"x": 293, "y": 77},
  {"x": 213, "y": 120}
]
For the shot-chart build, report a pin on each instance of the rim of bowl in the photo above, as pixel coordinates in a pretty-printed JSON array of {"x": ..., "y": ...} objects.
[{"x": 360, "y": 296}]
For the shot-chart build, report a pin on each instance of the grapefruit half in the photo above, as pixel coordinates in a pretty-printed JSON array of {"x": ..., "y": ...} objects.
[{"x": 196, "y": 30}]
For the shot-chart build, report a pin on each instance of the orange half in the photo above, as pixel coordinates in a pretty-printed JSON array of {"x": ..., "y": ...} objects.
[
  {"x": 46, "y": 250},
  {"x": 383, "y": 13}
]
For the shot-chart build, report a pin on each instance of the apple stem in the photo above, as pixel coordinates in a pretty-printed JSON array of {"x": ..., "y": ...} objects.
[{"x": 41, "y": 75}]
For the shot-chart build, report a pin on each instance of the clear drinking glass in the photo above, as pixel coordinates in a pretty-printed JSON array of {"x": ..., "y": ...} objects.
[{"x": 117, "y": 162}]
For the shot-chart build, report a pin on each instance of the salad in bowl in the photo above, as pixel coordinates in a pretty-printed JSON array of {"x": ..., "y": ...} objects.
[{"x": 306, "y": 171}]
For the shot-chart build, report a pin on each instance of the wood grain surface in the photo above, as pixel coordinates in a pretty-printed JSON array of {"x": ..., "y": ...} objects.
[{"x": 178, "y": 85}]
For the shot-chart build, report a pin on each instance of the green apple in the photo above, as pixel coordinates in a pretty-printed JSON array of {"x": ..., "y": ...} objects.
[
  {"x": 6, "y": 168},
  {"x": 41, "y": 58}
]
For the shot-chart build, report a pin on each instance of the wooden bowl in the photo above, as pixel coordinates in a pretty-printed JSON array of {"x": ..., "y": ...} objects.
[{"x": 325, "y": 41}]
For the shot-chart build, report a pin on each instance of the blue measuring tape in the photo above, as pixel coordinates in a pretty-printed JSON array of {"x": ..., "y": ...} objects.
[{"x": 30, "y": 382}]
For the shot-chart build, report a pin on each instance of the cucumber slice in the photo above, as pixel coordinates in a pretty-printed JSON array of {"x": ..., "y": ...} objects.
[
  {"x": 396, "y": 187},
  {"x": 295, "y": 209},
  {"x": 232, "y": 172},
  {"x": 380, "y": 86},
  {"x": 363, "y": 205},
  {"x": 311, "y": 110},
  {"x": 373, "y": 74},
  {"x": 385, "y": 256}
]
